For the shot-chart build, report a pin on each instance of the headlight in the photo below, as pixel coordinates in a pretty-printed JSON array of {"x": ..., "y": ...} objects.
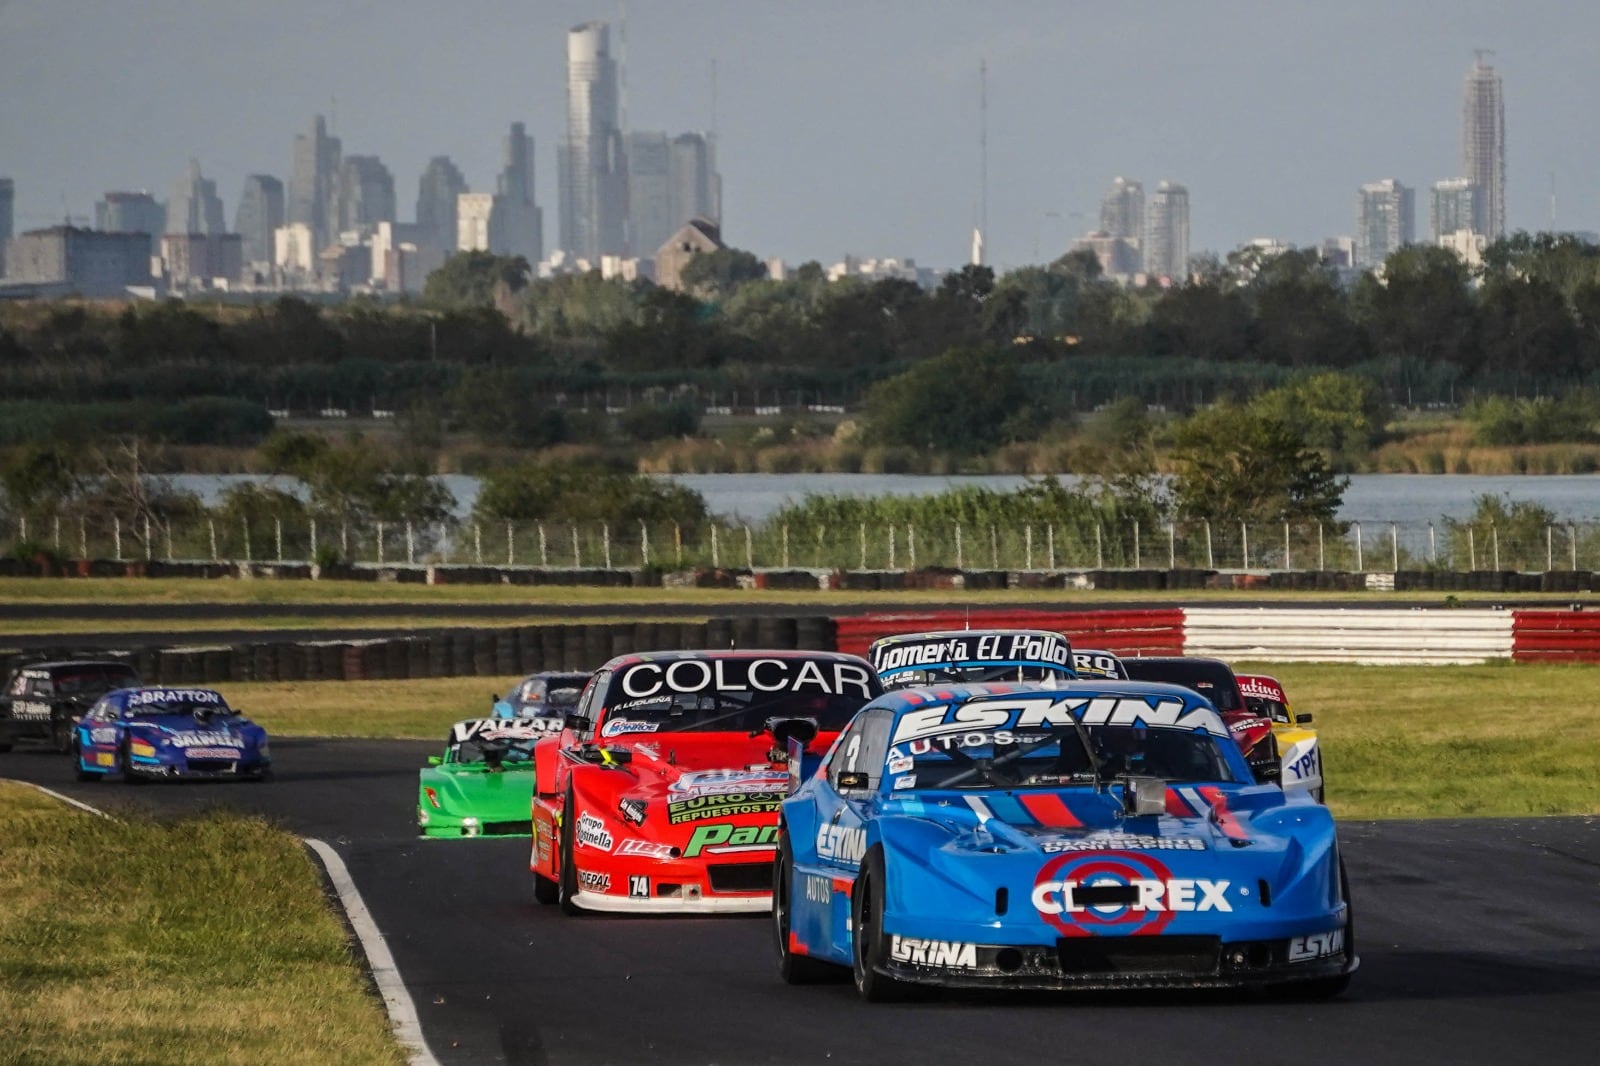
[{"x": 469, "y": 827}]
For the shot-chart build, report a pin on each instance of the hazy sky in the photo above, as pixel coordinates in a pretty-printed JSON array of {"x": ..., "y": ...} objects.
[{"x": 844, "y": 127}]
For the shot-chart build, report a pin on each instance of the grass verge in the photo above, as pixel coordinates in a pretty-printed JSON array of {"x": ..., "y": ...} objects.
[{"x": 202, "y": 940}]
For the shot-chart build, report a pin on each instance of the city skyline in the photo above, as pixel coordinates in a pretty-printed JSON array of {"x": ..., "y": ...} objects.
[{"x": 840, "y": 130}]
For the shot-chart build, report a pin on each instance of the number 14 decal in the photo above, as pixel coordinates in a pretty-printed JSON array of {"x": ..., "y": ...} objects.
[{"x": 638, "y": 886}]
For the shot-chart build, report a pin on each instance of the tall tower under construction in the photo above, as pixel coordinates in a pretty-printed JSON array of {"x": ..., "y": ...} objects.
[{"x": 1483, "y": 145}]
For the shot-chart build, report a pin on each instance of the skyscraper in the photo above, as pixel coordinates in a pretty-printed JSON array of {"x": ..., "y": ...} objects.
[
  {"x": 651, "y": 218},
  {"x": 437, "y": 191},
  {"x": 195, "y": 206},
  {"x": 696, "y": 185},
  {"x": 1166, "y": 252},
  {"x": 260, "y": 213},
  {"x": 313, "y": 184},
  {"x": 1483, "y": 145},
  {"x": 522, "y": 220},
  {"x": 1385, "y": 221},
  {"x": 365, "y": 193},
  {"x": 589, "y": 162},
  {"x": 1455, "y": 204},
  {"x": 1122, "y": 216},
  {"x": 131, "y": 212}
]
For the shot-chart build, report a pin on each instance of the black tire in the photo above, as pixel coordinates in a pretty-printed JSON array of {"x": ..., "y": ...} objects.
[
  {"x": 63, "y": 735},
  {"x": 793, "y": 969},
  {"x": 866, "y": 926},
  {"x": 125, "y": 764},
  {"x": 567, "y": 890}
]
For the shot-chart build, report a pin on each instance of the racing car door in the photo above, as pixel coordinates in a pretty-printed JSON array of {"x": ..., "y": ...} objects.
[{"x": 855, "y": 772}]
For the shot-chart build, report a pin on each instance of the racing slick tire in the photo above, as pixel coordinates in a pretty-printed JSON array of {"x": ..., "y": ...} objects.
[
  {"x": 568, "y": 888},
  {"x": 125, "y": 764},
  {"x": 1329, "y": 987},
  {"x": 792, "y": 968},
  {"x": 870, "y": 947},
  {"x": 545, "y": 890},
  {"x": 63, "y": 735}
]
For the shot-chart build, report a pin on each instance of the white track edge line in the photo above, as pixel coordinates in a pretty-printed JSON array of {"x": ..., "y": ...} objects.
[
  {"x": 396, "y": 999},
  {"x": 69, "y": 801}
]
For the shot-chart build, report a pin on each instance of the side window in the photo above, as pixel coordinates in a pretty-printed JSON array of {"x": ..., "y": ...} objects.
[
  {"x": 592, "y": 703},
  {"x": 863, "y": 748},
  {"x": 101, "y": 710},
  {"x": 42, "y": 687},
  {"x": 17, "y": 685}
]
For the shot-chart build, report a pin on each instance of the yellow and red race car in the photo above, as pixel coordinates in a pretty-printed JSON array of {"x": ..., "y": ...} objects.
[{"x": 1298, "y": 752}]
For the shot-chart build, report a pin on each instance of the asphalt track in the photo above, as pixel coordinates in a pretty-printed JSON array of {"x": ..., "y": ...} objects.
[{"x": 1480, "y": 943}]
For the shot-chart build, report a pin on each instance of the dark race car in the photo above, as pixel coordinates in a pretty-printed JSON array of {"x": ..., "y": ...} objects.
[
  {"x": 546, "y": 698},
  {"x": 43, "y": 701},
  {"x": 148, "y": 733}
]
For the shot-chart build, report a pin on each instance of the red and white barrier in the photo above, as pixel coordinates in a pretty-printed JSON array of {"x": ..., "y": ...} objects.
[{"x": 1424, "y": 636}]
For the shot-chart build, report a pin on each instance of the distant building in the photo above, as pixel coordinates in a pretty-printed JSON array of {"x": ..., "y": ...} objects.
[
  {"x": 696, "y": 185},
  {"x": 294, "y": 253},
  {"x": 366, "y": 193},
  {"x": 313, "y": 183},
  {"x": 699, "y": 235},
  {"x": 1385, "y": 221},
  {"x": 8, "y": 199},
  {"x": 1483, "y": 146},
  {"x": 437, "y": 191},
  {"x": 522, "y": 221},
  {"x": 1339, "y": 252},
  {"x": 1454, "y": 204},
  {"x": 1166, "y": 250},
  {"x": 589, "y": 163},
  {"x": 260, "y": 214},
  {"x": 1466, "y": 244},
  {"x": 1122, "y": 217},
  {"x": 203, "y": 260},
  {"x": 195, "y": 206},
  {"x": 1117, "y": 257},
  {"x": 131, "y": 212},
  {"x": 478, "y": 223},
  {"x": 651, "y": 212},
  {"x": 81, "y": 261},
  {"x": 401, "y": 261}
]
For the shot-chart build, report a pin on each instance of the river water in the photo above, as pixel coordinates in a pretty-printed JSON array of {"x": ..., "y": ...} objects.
[{"x": 1406, "y": 499}]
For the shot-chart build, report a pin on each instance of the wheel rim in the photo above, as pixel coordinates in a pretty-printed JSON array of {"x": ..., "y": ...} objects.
[
  {"x": 863, "y": 927},
  {"x": 780, "y": 905}
]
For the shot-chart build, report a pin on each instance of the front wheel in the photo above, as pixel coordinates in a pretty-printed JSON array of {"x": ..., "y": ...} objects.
[
  {"x": 871, "y": 945},
  {"x": 62, "y": 735},
  {"x": 129, "y": 776},
  {"x": 794, "y": 969},
  {"x": 1329, "y": 987},
  {"x": 568, "y": 888}
]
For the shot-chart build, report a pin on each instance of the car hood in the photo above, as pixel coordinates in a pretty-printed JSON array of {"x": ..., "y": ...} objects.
[
  {"x": 188, "y": 731},
  {"x": 472, "y": 791}
]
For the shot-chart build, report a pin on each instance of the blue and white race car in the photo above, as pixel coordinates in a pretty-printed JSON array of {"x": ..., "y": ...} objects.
[
  {"x": 1096, "y": 834},
  {"x": 148, "y": 733}
]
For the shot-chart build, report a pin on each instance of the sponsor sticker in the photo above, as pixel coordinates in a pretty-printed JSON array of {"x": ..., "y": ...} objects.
[
  {"x": 592, "y": 833},
  {"x": 595, "y": 882},
  {"x": 632, "y": 809},
  {"x": 212, "y": 753},
  {"x": 644, "y": 849},
  {"x": 638, "y": 886},
  {"x": 173, "y": 695},
  {"x": 715, "y": 782},
  {"x": 1037, "y": 712},
  {"x": 204, "y": 740},
  {"x": 818, "y": 889},
  {"x": 1099, "y": 664},
  {"x": 691, "y": 676},
  {"x": 1316, "y": 946},
  {"x": 1119, "y": 892},
  {"x": 616, "y": 727},
  {"x": 30, "y": 709},
  {"x": 841, "y": 843},
  {"x": 904, "y": 781},
  {"x": 724, "y": 805},
  {"x": 721, "y": 838},
  {"x": 1121, "y": 842},
  {"x": 944, "y": 954}
]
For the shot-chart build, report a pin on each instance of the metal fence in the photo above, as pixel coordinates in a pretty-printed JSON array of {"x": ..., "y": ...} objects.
[{"x": 1357, "y": 546}]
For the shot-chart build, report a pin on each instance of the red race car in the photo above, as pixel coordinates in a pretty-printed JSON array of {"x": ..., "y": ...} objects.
[{"x": 661, "y": 794}]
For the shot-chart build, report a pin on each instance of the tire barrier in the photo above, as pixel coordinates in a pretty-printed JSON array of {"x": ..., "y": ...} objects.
[{"x": 1424, "y": 636}]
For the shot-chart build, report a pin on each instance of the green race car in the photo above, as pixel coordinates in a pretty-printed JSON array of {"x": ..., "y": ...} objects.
[{"x": 482, "y": 786}]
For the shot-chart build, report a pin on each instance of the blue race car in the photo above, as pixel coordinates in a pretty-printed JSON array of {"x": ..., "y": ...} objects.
[
  {"x": 1096, "y": 834},
  {"x": 148, "y": 733}
]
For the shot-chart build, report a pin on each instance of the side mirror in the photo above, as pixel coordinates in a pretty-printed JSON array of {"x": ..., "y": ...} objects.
[
  {"x": 853, "y": 779},
  {"x": 1302, "y": 719},
  {"x": 576, "y": 722},
  {"x": 435, "y": 760},
  {"x": 803, "y": 730},
  {"x": 1144, "y": 795}
]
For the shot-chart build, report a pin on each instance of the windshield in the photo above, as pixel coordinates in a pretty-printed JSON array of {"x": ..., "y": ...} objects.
[
  {"x": 158, "y": 701},
  {"x": 511, "y": 749},
  {"x": 734, "y": 694},
  {"x": 1213, "y": 680},
  {"x": 93, "y": 682},
  {"x": 1055, "y": 756},
  {"x": 550, "y": 689}
]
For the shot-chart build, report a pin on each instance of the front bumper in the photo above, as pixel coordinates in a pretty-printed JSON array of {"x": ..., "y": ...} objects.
[
  {"x": 601, "y": 901},
  {"x": 1089, "y": 963},
  {"x": 210, "y": 769}
]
